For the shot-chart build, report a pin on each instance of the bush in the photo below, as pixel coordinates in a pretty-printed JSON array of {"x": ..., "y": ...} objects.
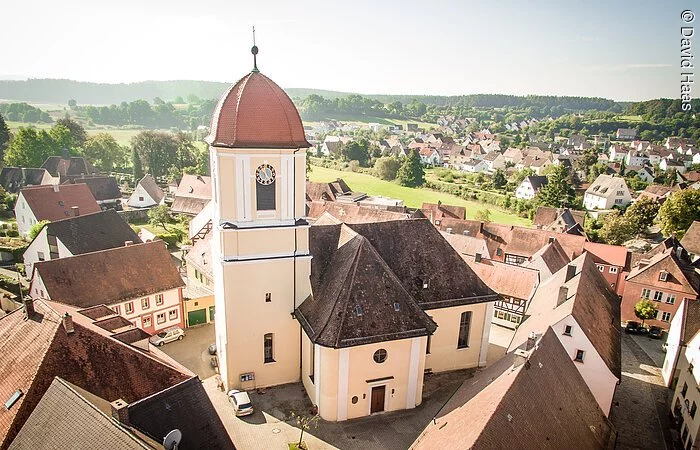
[
  {"x": 172, "y": 239},
  {"x": 12, "y": 233}
]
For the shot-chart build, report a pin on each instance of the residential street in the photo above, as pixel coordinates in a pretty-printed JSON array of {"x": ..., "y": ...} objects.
[
  {"x": 640, "y": 410},
  {"x": 193, "y": 351}
]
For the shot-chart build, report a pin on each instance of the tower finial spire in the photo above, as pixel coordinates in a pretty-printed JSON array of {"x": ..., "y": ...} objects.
[{"x": 254, "y": 51}]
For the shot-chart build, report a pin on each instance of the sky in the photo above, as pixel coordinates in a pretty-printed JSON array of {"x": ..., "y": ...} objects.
[{"x": 623, "y": 50}]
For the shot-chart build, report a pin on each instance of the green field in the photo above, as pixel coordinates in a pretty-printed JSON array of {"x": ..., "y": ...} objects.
[
  {"x": 412, "y": 198},
  {"x": 359, "y": 119}
]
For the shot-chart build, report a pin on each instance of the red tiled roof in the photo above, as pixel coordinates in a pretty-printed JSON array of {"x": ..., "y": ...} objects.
[
  {"x": 48, "y": 204},
  {"x": 255, "y": 112}
]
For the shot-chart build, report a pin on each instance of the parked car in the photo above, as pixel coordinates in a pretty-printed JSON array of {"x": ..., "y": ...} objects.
[
  {"x": 642, "y": 330},
  {"x": 632, "y": 326},
  {"x": 655, "y": 332},
  {"x": 212, "y": 349},
  {"x": 241, "y": 402},
  {"x": 165, "y": 336}
]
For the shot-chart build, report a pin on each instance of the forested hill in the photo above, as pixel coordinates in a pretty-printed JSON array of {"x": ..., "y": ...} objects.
[{"x": 61, "y": 91}]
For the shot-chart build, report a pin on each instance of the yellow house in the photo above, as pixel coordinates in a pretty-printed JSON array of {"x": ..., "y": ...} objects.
[{"x": 346, "y": 309}]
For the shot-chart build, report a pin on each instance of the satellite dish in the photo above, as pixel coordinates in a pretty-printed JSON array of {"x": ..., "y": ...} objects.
[{"x": 172, "y": 440}]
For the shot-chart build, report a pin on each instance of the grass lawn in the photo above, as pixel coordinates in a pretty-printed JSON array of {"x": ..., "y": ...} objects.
[
  {"x": 412, "y": 197},
  {"x": 122, "y": 136}
]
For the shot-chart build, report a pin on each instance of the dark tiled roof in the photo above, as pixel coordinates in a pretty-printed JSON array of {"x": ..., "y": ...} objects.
[
  {"x": 354, "y": 213},
  {"x": 504, "y": 407},
  {"x": 537, "y": 181},
  {"x": 113, "y": 323},
  {"x": 68, "y": 167},
  {"x": 691, "y": 238},
  {"x": 186, "y": 407},
  {"x": 416, "y": 252},
  {"x": 93, "y": 232},
  {"x": 360, "y": 301},
  {"x": 47, "y": 204},
  {"x": 256, "y": 113},
  {"x": 441, "y": 210},
  {"x": 110, "y": 276},
  {"x": 14, "y": 178},
  {"x": 65, "y": 419},
  {"x": 97, "y": 312},
  {"x": 102, "y": 188},
  {"x": 130, "y": 336}
]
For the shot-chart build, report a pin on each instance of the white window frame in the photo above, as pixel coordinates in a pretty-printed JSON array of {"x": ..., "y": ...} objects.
[
  {"x": 172, "y": 314},
  {"x": 613, "y": 269},
  {"x": 583, "y": 355},
  {"x": 159, "y": 299},
  {"x": 665, "y": 316},
  {"x": 147, "y": 322},
  {"x": 145, "y": 303},
  {"x": 658, "y": 294},
  {"x": 128, "y": 307},
  {"x": 158, "y": 318},
  {"x": 672, "y": 298}
]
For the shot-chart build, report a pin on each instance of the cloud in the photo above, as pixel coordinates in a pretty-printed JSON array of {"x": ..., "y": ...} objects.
[{"x": 623, "y": 67}]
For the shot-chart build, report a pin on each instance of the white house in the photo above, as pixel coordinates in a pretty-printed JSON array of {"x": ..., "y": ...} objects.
[
  {"x": 618, "y": 152},
  {"x": 685, "y": 324},
  {"x": 494, "y": 161},
  {"x": 686, "y": 396},
  {"x": 53, "y": 202},
  {"x": 473, "y": 166},
  {"x": 138, "y": 281},
  {"x": 146, "y": 194},
  {"x": 77, "y": 235},
  {"x": 584, "y": 312},
  {"x": 530, "y": 186},
  {"x": 430, "y": 156},
  {"x": 636, "y": 158},
  {"x": 607, "y": 191}
]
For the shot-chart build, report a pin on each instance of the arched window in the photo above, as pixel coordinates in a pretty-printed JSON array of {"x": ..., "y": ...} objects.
[{"x": 265, "y": 178}]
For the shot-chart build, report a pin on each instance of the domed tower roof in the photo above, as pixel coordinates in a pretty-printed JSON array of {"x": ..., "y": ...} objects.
[{"x": 256, "y": 113}]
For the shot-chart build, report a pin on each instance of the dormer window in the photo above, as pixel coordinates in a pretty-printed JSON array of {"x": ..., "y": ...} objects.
[
  {"x": 425, "y": 284},
  {"x": 358, "y": 310},
  {"x": 397, "y": 307},
  {"x": 663, "y": 275}
]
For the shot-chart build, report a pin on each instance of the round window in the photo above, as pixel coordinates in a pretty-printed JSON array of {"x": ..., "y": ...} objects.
[
  {"x": 354, "y": 400},
  {"x": 380, "y": 356}
]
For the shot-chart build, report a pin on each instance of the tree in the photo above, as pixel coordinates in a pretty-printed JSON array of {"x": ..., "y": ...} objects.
[
  {"x": 641, "y": 214},
  {"x": 411, "y": 172},
  {"x": 179, "y": 100},
  {"x": 72, "y": 104},
  {"x": 159, "y": 215},
  {"x": 616, "y": 228},
  {"x": 558, "y": 192},
  {"x": 483, "y": 215},
  {"x": 4, "y": 137},
  {"x": 499, "y": 179},
  {"x": 36, "y": 229},
  {"x": 356, "y": 151},
  {"x": 304, "y": 423},
  {"x": 30, "y": 148},
  {"x": 136, "y": 165},
  {"x": 645, "y": 309},
  {"x": 158, "y": 151},
  {"x": 679, "y": 211},
  {"x": 76, "y": 133},
  {"x": 104, "y": 152},
  {"x": 387, "y": 168}
]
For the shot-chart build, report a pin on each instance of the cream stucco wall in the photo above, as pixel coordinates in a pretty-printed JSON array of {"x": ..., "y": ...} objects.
[
  {"x": 444, "y": 354},
  {"x": 346, "y": 373},
  {"x": 595, "y": 372},
  {"x": 691, "y": 378}
]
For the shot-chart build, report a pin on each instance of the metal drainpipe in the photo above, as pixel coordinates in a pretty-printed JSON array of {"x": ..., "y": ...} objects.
[{"x": 294, "y": 212}]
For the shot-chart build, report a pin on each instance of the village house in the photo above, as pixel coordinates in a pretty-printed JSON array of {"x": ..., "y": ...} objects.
[
  {"x": 691, "y": 240},
  {"x": 386, "y": 279},
  {"x": 95, "y": 355},
  {"x": 626, "y": 134},
  {"x": 618, "y": 152},
  {"x": 438, "y": 211},
  {"x": 560, "y": 220},
  {"x": 68, "y": 167},
  {"x": 85, "y": 233},
  {"x": 430, "y": 156},
  {"x": 513, "y": 156},
  {"x": 104, "y": 189},
  {"x": 607, "y": 191},
  {"x": 663, "y": 275},
  {"x": 474, "y": 165},
  {"x": 198, "y": 295},
  {"x": 686, "y": 396},
  {"x": 659, "y": 193},
  {"x": 356, "y": 213},
  {"x": 12, "y": 179},
  {"x": 578, "y": 304},
  {"x": 636, "y": 158},
  {"x": 494, "y": 161},
  {"x": 192, "y": 195},
  {"x": 53, "y": 202},
  {"x": 529, "y": 187},
  {"x": 684, "y": 325},
  {"x": 138, "y": 281},
  {"x": 496, "y": 408},
  {"x": 147, "y": 194}
]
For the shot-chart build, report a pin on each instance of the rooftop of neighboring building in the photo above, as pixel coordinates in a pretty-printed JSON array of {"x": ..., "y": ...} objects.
[
  {"x": 691, "y": 238},
  {"x": 440, "y": 210},
  {"x": 606, "y": 185},
  {"x": 55, "y": 202},
  {"x": 66, "y": 167},
  {"x": 102, "y": 187}
]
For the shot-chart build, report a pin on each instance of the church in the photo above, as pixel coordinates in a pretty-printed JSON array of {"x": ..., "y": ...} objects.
[{"x": 357, "y": 313}]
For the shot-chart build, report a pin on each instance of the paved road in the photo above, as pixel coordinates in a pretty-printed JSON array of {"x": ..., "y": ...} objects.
[
  {"x": 641, "y": 402},
  {"x": 193, "y": 351}
]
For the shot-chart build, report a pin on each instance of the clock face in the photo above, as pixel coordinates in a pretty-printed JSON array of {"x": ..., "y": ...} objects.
[{"x": 265, "y": 174}]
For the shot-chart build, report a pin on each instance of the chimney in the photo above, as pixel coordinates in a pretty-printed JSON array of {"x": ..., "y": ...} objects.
[
  {"x": 448, "y": 230},
  {"x": 28, "y": 307},
  {"x": 120, "y": 411},
  {"x": 521, "y": 357},
  {"x": 563, "y": 294},
  {"x": 76, "y": 211},
  {"x": 531, "y": 341},
  {"x": 570, "y": 272},
  {"x": 68, "y": 323},
  {"x": 128, "y": 243},
  {"x": 439, "y": 204},
  {"x": 55, "y": 188},
  {"x": 477, "y": 257},
  {"x": 552, "y": 239},
  {"x": 481, "y": 227}
]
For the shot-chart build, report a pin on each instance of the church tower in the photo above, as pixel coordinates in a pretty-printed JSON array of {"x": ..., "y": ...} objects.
[{"x": 260, "y": 239}]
